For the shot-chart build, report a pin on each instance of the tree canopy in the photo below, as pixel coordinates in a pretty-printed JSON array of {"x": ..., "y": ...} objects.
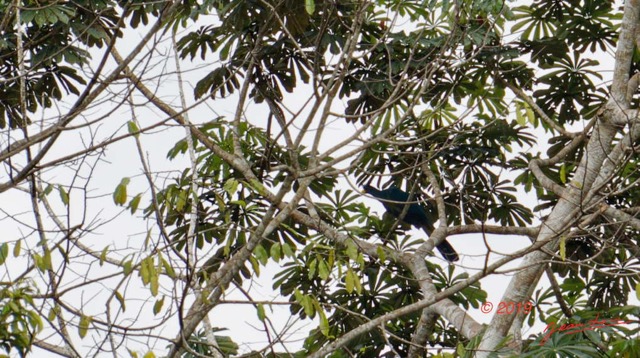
[{"x": 167, "y": 162}]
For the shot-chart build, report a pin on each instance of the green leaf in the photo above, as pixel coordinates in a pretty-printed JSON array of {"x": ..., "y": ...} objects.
[
  {"x": 563, "y": 174},
  {"x": 638, "y": 291},
  {"x": 255, "y": 265},
  {"x": 27, "y": 16},
  {"x": 37, "y": 260},
  {"x": 323, "y": 269},
  {"x": 40, "y": 18},
  {"x": 286, "y": 249},
  {"x": 120, "y": 299},
  {"x": 144, "y": 273},
  {"x": 103, "y": 255},
  {"x": 257, "y": 186},
  {"x": 133, "y": 128},
  {"x": 352, "y": 250},
  {"x": 530, "y": 114},
  {"x": 181, "y": 201},
  {"x": 356, "y": 281},
  {"x": 307, "y": 304},
  {"x": 348, "y": 281},
  {"x": 261, "y": 313},
  {"x": 133, "y": 204},
  {"x": 275, "y": 252},
  {"x": 16, "y": 248},
  {"x": 147, "y": 239},
  {"x": 310, "y": 6},
  {"x": 261, "y": 254},
  {"x": 46, "y": 259},
  {"x": 157, "y": 307},
  {"x": 4, "y": 252},
  {"x": 563, "y": 248},
  {"x": 231, "y": 186},
  {"x": 520, "y": 119},
  {"x": 47, "y": 190},
  {"x": 83, "y": 326},
  {"x": 155, "y": 283},
  {"x": 127, "y": 267},
  {"x": 168, "y": 269},
  {"x": 61, "y": 15},
  {"x": 52, "y": 314},
  {"x": 120, "y": 194},
  {"x": 64, "y": 196},
  {"x": 352, "y": 281},
  {"x": 312, "y": 265},
  {"x": 324, "y": 322}
]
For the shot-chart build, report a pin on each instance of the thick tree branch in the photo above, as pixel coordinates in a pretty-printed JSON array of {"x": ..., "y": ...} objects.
[
  {"x": 425, "y": 302},
  {"x": 567, "y": 210},
  {"x": 620, "y": 216},
  {"x": 624, "y": 53}
]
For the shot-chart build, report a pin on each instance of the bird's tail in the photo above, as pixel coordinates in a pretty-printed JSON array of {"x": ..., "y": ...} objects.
[
  {"x": 448, "y": 251},
  {"x": 445, "y": 248}
]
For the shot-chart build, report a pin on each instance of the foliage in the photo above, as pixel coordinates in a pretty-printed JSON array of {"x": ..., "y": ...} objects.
[
  {"x": 200, "y": 346},
  {"x": 20, "y": 322},
  {"x": 445, "y": 100}
]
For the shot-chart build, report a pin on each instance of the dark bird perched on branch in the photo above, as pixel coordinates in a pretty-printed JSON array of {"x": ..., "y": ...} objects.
[{"x": 415, "y": 215}]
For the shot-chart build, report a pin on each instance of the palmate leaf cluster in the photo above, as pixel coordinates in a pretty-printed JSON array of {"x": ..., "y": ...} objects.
[
  {"x": 54, "y": 43},
  {"x": 19, "y": 321},
  {"x": 470, "y": 157}
]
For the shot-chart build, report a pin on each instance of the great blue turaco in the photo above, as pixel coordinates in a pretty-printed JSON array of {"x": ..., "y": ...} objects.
[{"x": 392, "y": 199}]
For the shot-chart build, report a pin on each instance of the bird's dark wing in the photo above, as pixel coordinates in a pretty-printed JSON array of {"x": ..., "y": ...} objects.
[{"x": 414, "y": 215}]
